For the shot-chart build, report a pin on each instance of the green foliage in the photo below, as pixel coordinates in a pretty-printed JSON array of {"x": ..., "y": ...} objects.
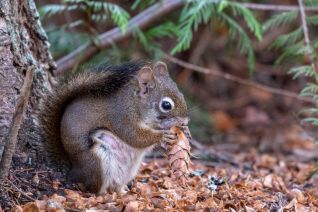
[
  {"x": 193, "y": 14},
  {"x": 142, "y": 4},
  {"x": 97, "y": 11},
  {"x": 288, "y": 39},
  {"x": 249, "y": 18},
  {"x": 182, "y": 26},
  {"x": 302, "y": 71},
  {"x": 61, "y": 38},
  {"x": 311, "y": 3},
  {"x": 280, "y": 20},
  {"x": 52, "y": 9},
  {"x": 237, "y": 33},
  {"x": 198, "y": 12},
  {"x": 294, "y": 50},
  {"x": 240, "y": 23},
  {"x": 312, "y": 20},
  {"x": 148, "y": 38},
  {"x": 167, "y": 29}
]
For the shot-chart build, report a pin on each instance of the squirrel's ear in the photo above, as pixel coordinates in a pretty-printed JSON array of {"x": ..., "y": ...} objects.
[
  {"x": 145, "y": 79},
  {"x": 160, "y": 69}
]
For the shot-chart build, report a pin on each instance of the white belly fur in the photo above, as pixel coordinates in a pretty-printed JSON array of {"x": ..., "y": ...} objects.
[{"x": 120, "y": 162}]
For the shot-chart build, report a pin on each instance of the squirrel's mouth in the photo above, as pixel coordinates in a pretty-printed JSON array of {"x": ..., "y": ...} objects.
[{"x": 165, "y": 123}]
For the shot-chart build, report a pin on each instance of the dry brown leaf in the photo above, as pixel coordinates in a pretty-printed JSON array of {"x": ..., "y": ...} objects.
[
  {"x": 249, "y": 209},
  {"x": 72, "y": 194},
  {"x": 222, "y": 121},
  {"x": 296, "y": 193},
  {"x": 58, "y": 198},
  {"x": 53, "y": 207},
  {"x": 159, "y": 203},
  {"x": 36, "y": 179},
  {"x": 55, "y": 184},
  {"x": 132, "y": 206},
  {"x": 17, "y": 208},
  {"x": 274, "y": 182},
  {"x": 179, "y": 157},
  {"x": 301, "y": 208},
  {"x": 31, "y": 207},
  {"x": 41, "y": 204}
]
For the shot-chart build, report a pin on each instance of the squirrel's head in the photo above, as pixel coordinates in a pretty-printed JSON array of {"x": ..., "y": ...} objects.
[{"x": 162, "y": 105}]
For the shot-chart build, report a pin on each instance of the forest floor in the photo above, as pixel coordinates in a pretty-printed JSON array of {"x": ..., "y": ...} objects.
[
  {"x": 225, "y": 177},
  {"x": 259, "y": 158}
]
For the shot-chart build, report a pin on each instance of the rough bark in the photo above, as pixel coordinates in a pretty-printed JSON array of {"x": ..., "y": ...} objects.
[
  {"x": 23, "y": 43},
  {"x": 11, "y": 139}
]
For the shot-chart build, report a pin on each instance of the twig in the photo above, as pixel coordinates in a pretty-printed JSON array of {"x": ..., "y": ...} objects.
[
  {"x": 274, "y": 7},
  {"x": 201, "y": 46},
  {"x": 141, "y": 21},
  {"x": 15, "y": 124},
  {"x": 22, "y": 170},
  {"x": 304, "y": 22},
  {"x": 237, "y": 79},
  {"x": 305, "y": 30},
  {"x": 72, "y": 209},
  {"x": 20, "y": 191},
  {"x": 199, "y": 49}
]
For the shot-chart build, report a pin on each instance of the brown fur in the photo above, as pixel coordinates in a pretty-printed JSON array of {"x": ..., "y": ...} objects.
[
  {"x": 100, "y": 81},
  {"x": 122, "y": 100}
]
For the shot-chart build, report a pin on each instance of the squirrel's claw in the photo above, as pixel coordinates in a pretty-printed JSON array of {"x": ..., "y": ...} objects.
[
  {"x": 123, "y": 190},
  {"x": 169, "y": 139}
]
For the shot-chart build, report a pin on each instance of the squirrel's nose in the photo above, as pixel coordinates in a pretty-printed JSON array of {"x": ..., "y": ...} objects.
[{"x": 183, "y": 121}]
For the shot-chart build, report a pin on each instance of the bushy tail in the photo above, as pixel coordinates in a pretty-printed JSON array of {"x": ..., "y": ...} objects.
[
  {"x": 102, "y": 81},
  {"x": 52, "y": 109}
]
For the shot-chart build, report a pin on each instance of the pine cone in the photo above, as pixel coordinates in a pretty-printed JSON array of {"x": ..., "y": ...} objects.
[{"x": 179, "y": 156}]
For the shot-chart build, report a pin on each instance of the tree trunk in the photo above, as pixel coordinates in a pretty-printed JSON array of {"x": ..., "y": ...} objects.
[{"x": 23, "y": 43}]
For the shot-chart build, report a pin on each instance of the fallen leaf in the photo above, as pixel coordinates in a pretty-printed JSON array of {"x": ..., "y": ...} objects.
[
  {"x": 55, "y": 184},
  {"x": 31, "y": 207},
  {"x": 132, "y": 206},
  {"x": 36, "y": 179},
  {"x": 222, "y": 121},
  {"x": 296, "y": 193},
  {"x": 17, "y": 208},
  {"x": 249, "y": 209}
]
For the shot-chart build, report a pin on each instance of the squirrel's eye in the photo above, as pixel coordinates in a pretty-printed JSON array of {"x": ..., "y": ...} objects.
[{"x": 166, "y": 104}]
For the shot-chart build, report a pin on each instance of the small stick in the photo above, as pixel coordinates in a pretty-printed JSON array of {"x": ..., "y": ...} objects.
[
  {"x": 275, "y": 7},
  {"x": 16, "y": 123},
  {"x": 305, "y": 30},
  {"x": 237, "y": 79},
  {"x": 141, "y": 21},
  {"x": 20, "y": 191}
]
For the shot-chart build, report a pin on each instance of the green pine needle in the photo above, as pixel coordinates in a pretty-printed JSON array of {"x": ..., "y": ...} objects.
[{"x": 280, "y": 20}]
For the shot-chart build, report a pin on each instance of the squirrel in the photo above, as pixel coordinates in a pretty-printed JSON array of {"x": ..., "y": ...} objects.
[{"x": 103, "y": 121}]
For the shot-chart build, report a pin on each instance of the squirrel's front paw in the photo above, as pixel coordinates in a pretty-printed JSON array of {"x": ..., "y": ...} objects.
[
  {"x": 123, "y": 190},
  {"x": 169, "y": 139}
]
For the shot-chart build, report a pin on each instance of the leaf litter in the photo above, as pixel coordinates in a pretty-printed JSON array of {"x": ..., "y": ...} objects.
[
  {"x": 273, "y": 183},
  {"x": 262, "y": 168}
]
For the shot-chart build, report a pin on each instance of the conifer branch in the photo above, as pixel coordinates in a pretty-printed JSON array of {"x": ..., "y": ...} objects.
[
  {"x": 142, "y": 20},
  {"x": 236, "y": 79},
  {"x": 305, "y": 31}
]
